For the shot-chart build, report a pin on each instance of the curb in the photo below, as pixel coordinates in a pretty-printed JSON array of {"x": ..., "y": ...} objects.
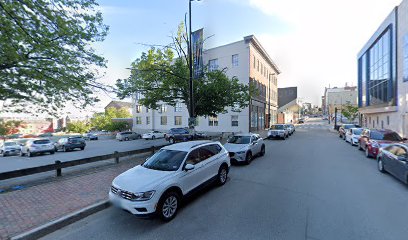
[{"x": 62, "y": 222}]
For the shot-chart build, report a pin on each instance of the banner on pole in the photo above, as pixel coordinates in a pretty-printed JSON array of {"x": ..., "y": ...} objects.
[{"x": 197, "y": 45}]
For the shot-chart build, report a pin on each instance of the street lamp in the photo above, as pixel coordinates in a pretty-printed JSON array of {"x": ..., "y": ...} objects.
[{"x": 190, "y": 54}]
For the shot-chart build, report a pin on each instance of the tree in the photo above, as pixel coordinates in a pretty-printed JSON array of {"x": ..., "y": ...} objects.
[
  {"x": 350, "y": 112},
  {"x": 78, "y": 127},
  {"x": 103, "y": 121},
  {"x": 162, "y": 75},
  {"x": 46, "y": 59},
  {"x": 9, "y": 127}
]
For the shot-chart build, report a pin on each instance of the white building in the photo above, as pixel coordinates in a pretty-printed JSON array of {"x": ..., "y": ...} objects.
[
  {"x": 338, "y": 97},
  {"x": 245, "y": 59},
  {"x": 383, "y": 74}
]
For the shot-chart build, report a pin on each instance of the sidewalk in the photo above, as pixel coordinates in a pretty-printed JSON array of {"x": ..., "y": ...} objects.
[{"x": 26, "y": 209}]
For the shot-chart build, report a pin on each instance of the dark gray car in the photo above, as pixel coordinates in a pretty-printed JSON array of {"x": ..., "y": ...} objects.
[
  {"x": 69, "y": 144},
  {"x": 394, "y": 160}
]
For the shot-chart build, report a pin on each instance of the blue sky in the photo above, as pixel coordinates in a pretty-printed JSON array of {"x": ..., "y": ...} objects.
[{"x": 314, "y": 42}]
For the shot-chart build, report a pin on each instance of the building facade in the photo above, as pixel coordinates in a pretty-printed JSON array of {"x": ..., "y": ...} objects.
[
  {"x": 339, "y": 97},
  {"x": 383, "y": 74},
  {"x": 289, "y": 105},
  {"x": 249, "y": 62}
]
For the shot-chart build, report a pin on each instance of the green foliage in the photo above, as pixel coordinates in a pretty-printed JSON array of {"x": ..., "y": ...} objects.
[
  {"x": 103, "y": 121},
  {"x": 78, "y": 127},
  {"x": 162, "y": 77},
  {"x": 350, "y": 112},
  {"x": 9, "y": 127},
  {"x": 45, "y": 56}
]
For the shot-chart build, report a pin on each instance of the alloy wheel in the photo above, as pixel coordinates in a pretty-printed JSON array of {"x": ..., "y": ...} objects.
[
  {"x": 170, "y": 206},
  {"x": 223, "y": 175}
]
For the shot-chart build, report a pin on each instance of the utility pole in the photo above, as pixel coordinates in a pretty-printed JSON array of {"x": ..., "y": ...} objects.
[{"x": 190, "y": 54}]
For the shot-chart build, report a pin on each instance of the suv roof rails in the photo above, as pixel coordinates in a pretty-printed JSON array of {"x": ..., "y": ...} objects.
[{"x": 201, "y": 143}]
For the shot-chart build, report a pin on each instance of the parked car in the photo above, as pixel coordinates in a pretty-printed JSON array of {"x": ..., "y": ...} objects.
[
  {"x": 37, "y": 146},
  {"x": 278, "y": 131},
  {"x": 353, "y": 135},
  {"x": 243, "y": 147},
  {"x": 70, "y": 143},
  {"x": 200, "y": 135},
  {"x": 158, "y": 186},
  {"x": 343, "y": 128},
  {"x": 126, "y": 136},
  {"x": 9, "y": 148},
  {"x": 46, "y": 135},
  {"x": 90, "y": 136},
  {"x": 372, "y": 140},
  {"x": 394, "y": 159},
  {"x": 153, "y": 135},
  {"x": 301, "y": 120},
  {"x": 291, "y": 128},
  {"x": 178, "y": 135}
]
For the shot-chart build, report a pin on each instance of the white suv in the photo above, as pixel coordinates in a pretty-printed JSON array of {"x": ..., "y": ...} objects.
[{"x": 158, "y": 185}]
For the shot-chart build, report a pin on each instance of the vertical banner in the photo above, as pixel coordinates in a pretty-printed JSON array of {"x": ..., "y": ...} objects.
[{"x": 197, "y": 45}]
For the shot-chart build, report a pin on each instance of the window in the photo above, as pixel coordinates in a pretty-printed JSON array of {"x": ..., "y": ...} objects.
[
  {"x": 193, "y": 157},
  {"x": 378, "y": 119},
  {"x": 235, "y": 60},
  {"x": 147, "y": 120},
  {"x": 163, "y": 120},
  {"x": 205, "y": 153},
  {"x": 138, "y": 108},
  {"x": 214, "y": 148},
  {"x": 179, "y": 107},
  {"x": 234, "y": 120},
  {"x": 213, "y": 65},
  {"x": 254, "y": 62},
  {"x": 257, "y": 65},
  {"x": 163, "y": 108},
  {"x": 138, "y": 120},
  {"x": 177, "y": 120},
  {"x": 213, "y": 121},
  {"x": 262, "y": 68}
]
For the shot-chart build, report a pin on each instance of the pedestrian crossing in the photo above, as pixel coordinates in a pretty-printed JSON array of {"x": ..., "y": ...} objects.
[{"x": 313, "y": 126}]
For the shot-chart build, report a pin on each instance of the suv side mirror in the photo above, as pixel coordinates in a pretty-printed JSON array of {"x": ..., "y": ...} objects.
[{"x": 189, "y": 167}]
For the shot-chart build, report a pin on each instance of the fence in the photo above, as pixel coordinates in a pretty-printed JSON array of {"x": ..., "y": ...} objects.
[{"x": 58, "y": 165}]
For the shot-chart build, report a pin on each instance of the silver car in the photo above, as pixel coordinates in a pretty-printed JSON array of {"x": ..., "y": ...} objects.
[
  {"x": 243, "y": 147},
  {"x": 9, "y": 148},
  {"x": 37, "y": 146},
  {"x": 126, "y": 136},
  {"x": 278, "y": 131}
]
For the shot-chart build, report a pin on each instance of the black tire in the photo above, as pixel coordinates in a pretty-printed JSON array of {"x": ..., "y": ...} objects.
[
  {"x": 171, "y": 140},
  {"x": 52, "y": 152},
  {"x": 167, "y": 200},
  {"x": 64, "y": 149},
  {"x": 380, "y": 166},
  {"x": 82, "y": 148},
  {"x": 55, "y": 149},
  {"x": 29, "y": 154},
  {"x": 126, "y": 139},
  {"x": 248, "y": 158},
  {"x": 222, "y": 175},
  {"x": 262, "y": 153},
  {"x": 139, "y": 137},
  {"x": 153, "y": 137},
  {"x": 22, "y": 154}
]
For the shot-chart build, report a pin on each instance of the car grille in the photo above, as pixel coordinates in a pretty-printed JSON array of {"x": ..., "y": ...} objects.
[
  {"x": 231, "y": 154},
  {"x": 122, "y": 193}
]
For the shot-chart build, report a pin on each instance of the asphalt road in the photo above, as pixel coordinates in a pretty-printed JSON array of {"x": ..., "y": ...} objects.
[
  {"x": 311, "y": 186},
  {"x": 93, "y": 148}
]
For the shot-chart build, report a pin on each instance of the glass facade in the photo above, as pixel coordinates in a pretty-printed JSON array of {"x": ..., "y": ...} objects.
[{"x": 375, "y": 73}]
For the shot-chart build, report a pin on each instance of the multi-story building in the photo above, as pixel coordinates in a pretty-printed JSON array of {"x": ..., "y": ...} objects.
[
  {"x": 289, "y": 105},
  {"x": 338, "y": 97},
  {"x": 383, "y": 74},
  {"x": 249, "y": 62}
]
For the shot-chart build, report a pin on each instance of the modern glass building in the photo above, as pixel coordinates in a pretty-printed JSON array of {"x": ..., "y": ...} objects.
[{"x": 382, "y": 90}]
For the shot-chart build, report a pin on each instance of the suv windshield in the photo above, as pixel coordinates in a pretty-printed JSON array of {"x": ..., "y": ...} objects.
[
  {"x": 240, "y": 140},
  {"x": 165, "y": 160},
  {"x": 348, "y": 126},
  {"x": 357, "y": 131},
  {"x": 8, "y": 144},
  {"x": 278, "y": 127},
  {"x": 393, "y": 136}
]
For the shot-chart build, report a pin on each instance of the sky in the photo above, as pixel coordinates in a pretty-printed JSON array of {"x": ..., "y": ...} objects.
[{"x": 314, "y": 42}]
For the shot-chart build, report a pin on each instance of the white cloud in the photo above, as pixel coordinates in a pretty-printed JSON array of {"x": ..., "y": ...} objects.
[{"x": 323, "y": 41}]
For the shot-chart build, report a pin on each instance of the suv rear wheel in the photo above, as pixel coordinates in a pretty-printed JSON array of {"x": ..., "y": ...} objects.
[
  {"x": 248, "y": 158},
  {"x": 222, "y": 175}
]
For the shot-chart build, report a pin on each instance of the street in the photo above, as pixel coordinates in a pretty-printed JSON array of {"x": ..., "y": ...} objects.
[
  {"x": 93, "y": 148},
  {"x": 311, "y": 186}
]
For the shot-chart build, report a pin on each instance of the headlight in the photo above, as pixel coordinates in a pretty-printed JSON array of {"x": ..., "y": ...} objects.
[
  {"x": 241, "y": 152},
  {"x": 143, "y": 196}
]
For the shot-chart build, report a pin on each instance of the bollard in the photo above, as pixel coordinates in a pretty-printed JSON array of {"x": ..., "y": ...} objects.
[
  {"x": 58, "y": 170},
  {"x": 116, "y": 154},
  {"x": 153, "y": 149}
]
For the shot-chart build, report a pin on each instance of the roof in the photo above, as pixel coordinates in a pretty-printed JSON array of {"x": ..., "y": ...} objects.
[
  {"x": 186, "y": 146},
  {"x": 245, "y": 134},
  {"x": 119, "y": 104},
  {"x": 257, "y": 44}
]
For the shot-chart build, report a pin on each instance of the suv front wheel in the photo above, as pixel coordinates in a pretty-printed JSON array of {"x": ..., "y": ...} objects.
[{"x": 168, "y": 206}]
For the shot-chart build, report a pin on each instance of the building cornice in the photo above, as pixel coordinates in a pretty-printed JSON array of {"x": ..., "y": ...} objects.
[{"x": 252, "y": 39}]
